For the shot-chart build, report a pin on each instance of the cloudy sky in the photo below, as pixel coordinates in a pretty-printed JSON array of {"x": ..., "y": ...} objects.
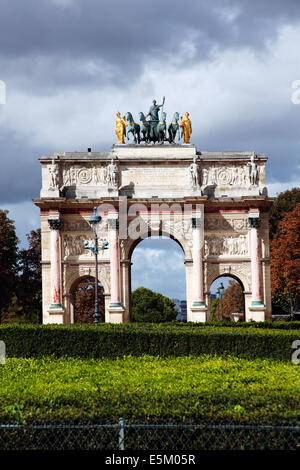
[{"x": 69, "y": 65}]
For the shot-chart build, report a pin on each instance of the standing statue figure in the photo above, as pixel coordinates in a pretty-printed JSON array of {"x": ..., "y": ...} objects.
[
  {"x": 53, "y": 170},
  {"x": 121, "y": 128},
  {"x": 112, "y": 175},
  {"x": 186, "y": 128},
  {"x": 194, "y": 173},
  {"x": 253, "y": 173},
  {"x": 154, "y": 110}
]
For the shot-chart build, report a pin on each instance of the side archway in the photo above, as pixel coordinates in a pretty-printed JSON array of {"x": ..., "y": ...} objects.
[
  {"x": 227, "y": 298},
  {"x": 82, "y": 298}
]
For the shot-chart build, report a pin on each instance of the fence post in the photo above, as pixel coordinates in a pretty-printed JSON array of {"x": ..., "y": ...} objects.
[{"x": 121, "y": 434}]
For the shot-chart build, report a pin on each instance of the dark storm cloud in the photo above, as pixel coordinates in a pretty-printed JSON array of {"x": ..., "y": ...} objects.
[
  {"x": 20, "y": 176},
  {"x": 45, "y": 48},
  {"x": 50, "y": 45}
]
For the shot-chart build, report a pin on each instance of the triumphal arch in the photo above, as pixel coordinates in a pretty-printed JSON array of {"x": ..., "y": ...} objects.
[{"x": 213, "y": 204}]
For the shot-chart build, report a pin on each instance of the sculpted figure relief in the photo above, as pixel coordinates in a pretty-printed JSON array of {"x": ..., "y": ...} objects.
[
  {"x": 245, "y": 175},
  {"x": 186, "y": 128},
  {"x": 120, "y": 128},
  {"x": 194, "y": 173},
  {"x": 230, "y": 245},
  {"x": 112, "y": 175},
  {"x": 53, "y": 171},
  {"x": 154, "y": 110},
  {"x": 73, "y": 245},
  {"x": 153, "y": 128},
  {"x": 253, "y": 172}
]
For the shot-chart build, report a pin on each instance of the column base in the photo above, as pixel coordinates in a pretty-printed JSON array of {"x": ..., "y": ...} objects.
[
  {"x": 115, "y": 305},
  {"x": 56, "y": 308},
  {"x": 257, "y": 303},
  {"x": 197, "y": 304},
  {"x": 198, "y": 312},
  {"x": 116, "y": 312},
  {"x": 256, "y": 312}
]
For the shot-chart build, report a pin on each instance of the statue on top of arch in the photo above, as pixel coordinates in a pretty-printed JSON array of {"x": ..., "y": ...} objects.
[{"x": 153, "y": 128}]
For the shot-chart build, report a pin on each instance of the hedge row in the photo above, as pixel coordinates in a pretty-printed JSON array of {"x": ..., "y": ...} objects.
[
  {"x": 200, "y": 389},
  {"x": 275, "y": 325},
  {"x": 112, "y": 341}
]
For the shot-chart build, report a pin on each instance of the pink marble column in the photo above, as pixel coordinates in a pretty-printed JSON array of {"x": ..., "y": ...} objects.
[
  {"x": 256, "y": 270},
  {"x": 115, "y": 297},
  {"x": 54, "y": 225},
  {"x": 198, "y": 277}
]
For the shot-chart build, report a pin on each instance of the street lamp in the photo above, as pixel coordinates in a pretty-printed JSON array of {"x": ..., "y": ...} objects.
[
  {"x": 221, "y": 292},
  {"x": 218, "y": 297},
  {"x": 95, "y": 219}
]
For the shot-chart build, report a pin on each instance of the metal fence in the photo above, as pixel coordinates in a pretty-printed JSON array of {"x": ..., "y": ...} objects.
[{"x": 123, "y": 435}]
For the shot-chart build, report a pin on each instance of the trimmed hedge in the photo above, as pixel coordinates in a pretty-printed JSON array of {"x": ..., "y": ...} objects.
[
  {"x": 186, "y": 389},
  {"x": 112, "y": 341}
]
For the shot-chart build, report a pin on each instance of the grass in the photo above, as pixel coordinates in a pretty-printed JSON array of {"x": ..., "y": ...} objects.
[{"x": 197, "y": 388}]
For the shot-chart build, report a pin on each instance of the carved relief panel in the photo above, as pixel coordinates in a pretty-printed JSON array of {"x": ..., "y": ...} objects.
[
  {"x": 73, "y": 175},
  {"x": 227, "y": 245}
]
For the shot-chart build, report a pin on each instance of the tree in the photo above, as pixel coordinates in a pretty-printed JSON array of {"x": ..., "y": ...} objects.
[
  {"x": 8, "y": 260},
  {"x": 13, "y": 313},
  {"x": 214, "y": 308},
  {"x": 149, "y": 306},
  {"x": 285, "y": 202},
  {"x": 29, "y": 286},
  {"x": 233, "y": 300},
  {"x": 285, "y": 261}
]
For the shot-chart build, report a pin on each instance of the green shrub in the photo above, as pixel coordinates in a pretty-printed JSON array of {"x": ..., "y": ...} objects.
[
  {"x": 117, "y": 340},
  {"x": 183, "y": 388},
  {"x": 149, "y": 306}
]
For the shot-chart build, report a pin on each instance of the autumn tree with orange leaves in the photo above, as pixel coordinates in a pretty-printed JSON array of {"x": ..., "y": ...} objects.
[
  {"x": 84, "y": 301},
  {"x": 285, "y": 262},
  {"x": 232, "y": 302}
]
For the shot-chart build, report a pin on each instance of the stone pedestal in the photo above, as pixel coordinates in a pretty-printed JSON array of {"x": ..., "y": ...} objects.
[{"x": 198, "y": 314}]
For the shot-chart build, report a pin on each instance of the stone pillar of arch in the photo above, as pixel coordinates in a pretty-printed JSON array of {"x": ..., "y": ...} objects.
[
  {"x": 257, "y": 307},
  {"x": 116, "y": 310},
  {"x": 198, "y": 308},
  {"x": 56, "y": 288}
]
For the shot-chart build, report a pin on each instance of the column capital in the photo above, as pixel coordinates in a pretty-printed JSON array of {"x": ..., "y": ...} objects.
[
  {"x": 113, "y": 224},
  {"x": 254, "y": 222},
  {"x": 54, "y": 224}
]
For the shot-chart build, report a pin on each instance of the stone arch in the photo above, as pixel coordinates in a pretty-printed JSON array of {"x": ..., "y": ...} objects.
[
  {"x": 170, "y": 228},
  {"x": 240, "y": 271},
  {"x": 101, "y": 298},
  {"x": 236, "y": 278},
  {"x": 74, "y": 273},
  {"x": 134, "y": 244}
]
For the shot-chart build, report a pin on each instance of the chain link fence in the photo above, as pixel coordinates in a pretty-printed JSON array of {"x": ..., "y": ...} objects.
[{"x": 123, "y": 435}]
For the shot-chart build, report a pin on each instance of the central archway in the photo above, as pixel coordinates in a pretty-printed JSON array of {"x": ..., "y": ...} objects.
[{"x": 158, "y": 264}]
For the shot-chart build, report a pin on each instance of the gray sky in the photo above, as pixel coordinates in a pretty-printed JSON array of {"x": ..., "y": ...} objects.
[{"x": 69, "y": 65}]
